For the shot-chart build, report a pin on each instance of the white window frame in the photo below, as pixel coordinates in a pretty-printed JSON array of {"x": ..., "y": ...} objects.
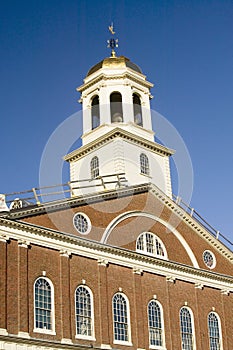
[
  {"x": 163, "y": 346},
  {"x": 83, "y": 336},
  {"x": 219, "y": 329},
  {"x": 116, "y": 341},
  {"x": 155, "y": 238},
  {"x": 192, "y": 326},
  {"x": 144, "y": 164},
  {"x": 94, "y": 167},
  {"x": 214, "y": 259},
  {"x": 43, "y": 330},
  {"x": 88, "y": 223}
]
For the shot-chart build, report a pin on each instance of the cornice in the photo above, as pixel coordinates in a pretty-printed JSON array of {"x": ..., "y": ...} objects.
[
  {"x": 105, "y": 77},
  {"x": 56, "y": 240},
  {"x": 118, "y": 132},
  {"x": 192, "y": 222}
]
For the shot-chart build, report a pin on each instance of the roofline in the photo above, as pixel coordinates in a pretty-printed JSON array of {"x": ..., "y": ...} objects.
[
  {"x": 126, "y": 75},
  {"x": 118, "y": 132},
  {"x": 111, "y": 251}
]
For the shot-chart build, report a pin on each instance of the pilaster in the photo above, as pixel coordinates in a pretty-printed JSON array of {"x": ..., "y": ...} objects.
[
  {"x": 104, "y": 321},
  {"x": 65, "y": 296},
  {"x": 23, "y": 307},
  {"x": 3, "y": 283}
]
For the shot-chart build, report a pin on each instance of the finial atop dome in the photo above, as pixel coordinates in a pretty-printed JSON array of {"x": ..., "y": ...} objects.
[{"x": 112, "y": 43}]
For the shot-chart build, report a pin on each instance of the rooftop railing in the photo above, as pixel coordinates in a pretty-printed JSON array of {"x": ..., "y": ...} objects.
[
  {"x": 193, "y": 213},
  {"x": 44, "y": 195}
]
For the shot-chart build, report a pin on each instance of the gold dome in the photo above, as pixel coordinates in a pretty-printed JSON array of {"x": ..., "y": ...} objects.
[{"x": 114, "y": 62}]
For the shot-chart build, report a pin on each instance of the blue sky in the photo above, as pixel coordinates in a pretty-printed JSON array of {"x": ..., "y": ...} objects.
[{"x": 184, "y": 47}]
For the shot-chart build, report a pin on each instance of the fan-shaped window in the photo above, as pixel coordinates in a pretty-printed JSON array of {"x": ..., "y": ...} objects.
[
  {"x": 186, "y": 329},
  {"x": 149, "y": 243},
  {"x": 84, "y": 312},
  {"x": 94, "y": 166},
  {"x": 214, "y": 331},
  {"x": 144, "y": 164},
  {"x": 95, "y": 112},
  {"x": 43, "y": 305},
  {"x": 155, "y": 323},
  {"x": 116, "y": 107},
  {"x": 121, "y": 318},
  {"x": 137, "y": 110}
]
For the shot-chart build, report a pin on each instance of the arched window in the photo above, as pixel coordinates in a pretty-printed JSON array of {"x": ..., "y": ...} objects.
[
  {"x": 137, "y": 110},
  {"x": 149, "y": 243},
  {"x": 43, "y": 305},
  {"x": 155, "y": 323},
  {"x": 116, "y": 107},
  {"x": 214, "y": 331},
  {"x": 144, "y": 164},
  {"x": 94, "y": 165},
  {"x": 187, "y": 329},
  {"x": 95, "y": 112},
  {"x": 121, "y": 318},
  {"x": 84, "y": 312}
]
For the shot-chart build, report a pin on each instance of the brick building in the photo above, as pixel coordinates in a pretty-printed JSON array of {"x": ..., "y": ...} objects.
[{"x": 119, "y": 264}]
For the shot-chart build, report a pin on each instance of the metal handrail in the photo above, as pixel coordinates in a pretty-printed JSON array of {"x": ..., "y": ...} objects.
[
  {"x": 37, "y": 194},
  {"x": 193, "y": 213}
]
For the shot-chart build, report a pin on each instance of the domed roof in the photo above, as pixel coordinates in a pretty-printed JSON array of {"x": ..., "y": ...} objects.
[{"x": 114, "y": 62}]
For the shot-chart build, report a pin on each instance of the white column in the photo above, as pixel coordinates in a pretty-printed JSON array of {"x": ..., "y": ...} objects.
[{"x": 127, "y": 103}]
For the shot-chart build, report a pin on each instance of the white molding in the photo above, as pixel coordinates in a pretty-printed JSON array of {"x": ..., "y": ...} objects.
[
  {"x": 3, "y": 331},
  {"x": 105, "y": 347},
  {"x": 24, "y": 335},
  {"x": 94, "y": 250},
  {"x": 66, "y": 341},
  {"x": 130, "y": 214}
]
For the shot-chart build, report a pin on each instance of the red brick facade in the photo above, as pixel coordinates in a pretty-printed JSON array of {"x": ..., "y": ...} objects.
[{"x": 57, "y": 253}]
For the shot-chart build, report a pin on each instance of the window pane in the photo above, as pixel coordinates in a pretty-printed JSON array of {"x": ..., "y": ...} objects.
[
  {"x": 83, "y": 312},
  {"x": 149, "y": 243},
  {"x": 43, "y": 306},
  {"x": 144, "y": 164},
  {"x": 120, "y": 318},
  {"x": 214, "y": 334},
  {"x": 155, "y": 324},
  {"x": 186, "y": 329},
  {"x": 94, "y": 167}
]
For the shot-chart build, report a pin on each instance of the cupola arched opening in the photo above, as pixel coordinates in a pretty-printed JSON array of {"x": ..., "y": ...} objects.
[
  {"x": 116, "y": 107},
  {"x": 95, "y": 112},
  {"x": 137, "y": 110}
]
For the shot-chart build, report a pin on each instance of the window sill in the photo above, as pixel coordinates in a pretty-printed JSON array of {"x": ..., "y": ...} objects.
[
  {"x": 44, "y": 331},
  {"x": 149, "y": 177},
  {"x": 121, "y": 342},
  {"x": 85, "y": 337}
]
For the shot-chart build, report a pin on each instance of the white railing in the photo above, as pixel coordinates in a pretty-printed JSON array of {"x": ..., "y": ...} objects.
[{"x": 40, "y": 195}]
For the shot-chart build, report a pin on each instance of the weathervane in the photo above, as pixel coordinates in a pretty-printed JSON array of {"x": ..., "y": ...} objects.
[{"x": 112, "y": 43}]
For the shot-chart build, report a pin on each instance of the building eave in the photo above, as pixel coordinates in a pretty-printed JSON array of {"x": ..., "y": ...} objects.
[
  {"x": 61, "y": 241},
  {"x": 126, "y": 75},
  {"x": 118, "y": 132}
]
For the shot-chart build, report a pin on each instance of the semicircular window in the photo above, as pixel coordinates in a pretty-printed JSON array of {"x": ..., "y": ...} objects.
[{"x": 150, "y": 244}]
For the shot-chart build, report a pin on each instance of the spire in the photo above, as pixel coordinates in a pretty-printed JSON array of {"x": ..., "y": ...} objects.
[{"x": 112, "y": 42}]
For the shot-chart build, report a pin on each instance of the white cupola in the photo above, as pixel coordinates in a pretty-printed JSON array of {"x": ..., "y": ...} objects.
[
  {"x": 117, "y": 129},
  {"x": 115, "y": 92}
]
